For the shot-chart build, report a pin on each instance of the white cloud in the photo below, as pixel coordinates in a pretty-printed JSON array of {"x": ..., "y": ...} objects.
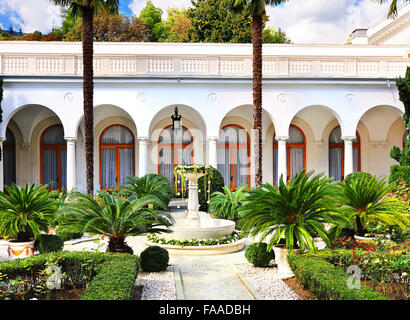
[
  {"x": 324, "y": 21},
  {"x": 32, "y": 15},
  {"x": 137, "y": 5}
]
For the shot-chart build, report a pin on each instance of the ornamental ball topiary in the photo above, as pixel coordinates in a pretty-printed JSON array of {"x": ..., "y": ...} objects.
[
  {"x": 154, "y": 259},
  {"x": 358, "y": 176},
  {"x": 50, "y": 243},
  {"x": 217, "y": 184},
  {"x": 258, "y": 255}
]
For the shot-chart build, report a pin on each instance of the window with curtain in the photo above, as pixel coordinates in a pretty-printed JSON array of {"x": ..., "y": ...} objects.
[
  {"x": 233, "y": 156},
  {"x": 337, "y": 151},
  {"x": 175, "y": 147},
  {"x": 9, "y": 158},
  {"x": 295, "y": 153},
  {"x": 53, "y": 150},
  {"x": 117, "y": 149}
]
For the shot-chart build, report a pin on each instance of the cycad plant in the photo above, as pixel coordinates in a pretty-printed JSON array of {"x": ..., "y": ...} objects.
[
  {"x": 362, "y": 202},
  {"x": 115, "y": 217},
  {"x": 225, "y": 205},
  {"x": 297, "y": 211},
  {"x": 148, "y": 185},
  {"x": 25, "y": 212}
]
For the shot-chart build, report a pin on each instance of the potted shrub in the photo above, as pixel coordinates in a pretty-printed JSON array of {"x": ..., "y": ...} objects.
[
  {"x": 24, "y": 213},
  {"x": 114, "y": 217},
  {"x": 293, "y": 213},
  {"x": 363, "y": 202}
]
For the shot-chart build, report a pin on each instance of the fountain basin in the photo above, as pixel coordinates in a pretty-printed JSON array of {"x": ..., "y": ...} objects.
[{"x": 203, "y": 228}]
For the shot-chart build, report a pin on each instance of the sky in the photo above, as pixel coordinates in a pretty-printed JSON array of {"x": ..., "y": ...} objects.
[{"x": 304, "y": 21}]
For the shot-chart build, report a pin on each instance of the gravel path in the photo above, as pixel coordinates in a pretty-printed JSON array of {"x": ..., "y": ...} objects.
[
  {"x": 266, "y": 282},
  {"x": 157, "y": 285}
]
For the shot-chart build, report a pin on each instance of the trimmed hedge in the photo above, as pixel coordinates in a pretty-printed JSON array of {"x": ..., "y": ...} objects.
[
  {"x": 50, "y": 243},
  {"x": 115, "y": 279},
  {"x": 398, "y": 172},
  {"x": 326, "y": 281},
  {"x": 109, "y": 276},
  {"x": 154, "y": 259}
]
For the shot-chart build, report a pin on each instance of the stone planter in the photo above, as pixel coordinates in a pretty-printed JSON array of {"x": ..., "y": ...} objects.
[
  {"x": 20, "y": 249},
  {"x": 281, "y": 258},
  {"x": 359, "y": 238}
]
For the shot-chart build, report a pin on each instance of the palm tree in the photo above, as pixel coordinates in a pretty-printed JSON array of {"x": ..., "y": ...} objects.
[
  {"x": 87, "y": 9},
  {"x": 26, "y": 211},
  {"x": 225, "y": 205},
  {"x": 148, "y": 185},
  {"x": 362, "y": 202},
  {"x": 393, "y": 7},
  {"x": 297, "y": 211},
  {"x": 114, "y": 216},
  {"x": 256, "y": 9}
]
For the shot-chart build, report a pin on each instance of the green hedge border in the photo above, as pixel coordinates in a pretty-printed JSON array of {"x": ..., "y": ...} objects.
[
  {"x": 398, "y": 172},
  {"x": 326, "y": 281},
  {"x": 114, "y": 278}
]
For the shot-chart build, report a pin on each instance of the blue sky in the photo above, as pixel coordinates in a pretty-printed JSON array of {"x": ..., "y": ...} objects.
[{"x": 304, "y": 21}]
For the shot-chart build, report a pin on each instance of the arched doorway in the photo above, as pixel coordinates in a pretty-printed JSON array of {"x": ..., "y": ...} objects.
[
  {"x": 336, "y": 154},
  {"x": 9, "y": 158},
  {"x": 295, "y": 153},
  {"x": 117, "y": 149},
  {"x": 174, "y": 148},
  {"x": 233, "y": 155},
  {"x": 53, "y": 158}
]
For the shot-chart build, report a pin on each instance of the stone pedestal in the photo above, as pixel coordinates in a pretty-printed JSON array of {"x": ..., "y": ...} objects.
[{"x": 193, "y": 202}]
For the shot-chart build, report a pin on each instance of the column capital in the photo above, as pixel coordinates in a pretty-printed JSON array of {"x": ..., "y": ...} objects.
[
  {"x": 70, "y": 139},
  {"x": 26, "y": 146},
  {"x": 213, "y": 138},
  {"x": 2, "y": 139},
  {"x": 143, "y": 139},
  {"x": 349, "y": 138},
  {"x": 282, "y": 138}
]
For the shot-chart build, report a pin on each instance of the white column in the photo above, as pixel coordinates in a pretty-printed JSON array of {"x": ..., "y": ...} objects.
[
  {"x": 1, "y": 164},
  {"x": 282, "y": 159},
  {"x": 348, "y": 155},
  {"x": 213, "y": 152},
  {"x": 71, "y": 165},
  {"x": 142, "y": 156}
]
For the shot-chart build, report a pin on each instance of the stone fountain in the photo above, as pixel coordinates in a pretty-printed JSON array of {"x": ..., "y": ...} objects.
[{"x": 191, "y": 223}]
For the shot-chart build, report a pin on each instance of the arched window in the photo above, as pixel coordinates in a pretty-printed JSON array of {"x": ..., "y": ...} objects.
[
  {"x": 337, "y": 154},
  {"x": 233, "y": 155},
  {"x": 53, "y": 158},
  {"x": 9, "y": 158},
  {"x": 117, "y": 150},
  {"x": 295, "y": 153},
  {"x": 174, "y": 148}
]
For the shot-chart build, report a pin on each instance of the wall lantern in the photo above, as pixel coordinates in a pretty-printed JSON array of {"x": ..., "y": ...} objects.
[{"x": 176, "y": 120}]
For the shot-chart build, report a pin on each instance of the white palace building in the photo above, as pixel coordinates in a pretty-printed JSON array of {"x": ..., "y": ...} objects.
[{"x": 329, "y": 108}]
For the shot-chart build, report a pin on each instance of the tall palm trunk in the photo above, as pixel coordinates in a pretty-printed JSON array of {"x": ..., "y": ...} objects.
[
  {"x": 257, "y": 96},
  {"x": 88, "y": 92}
]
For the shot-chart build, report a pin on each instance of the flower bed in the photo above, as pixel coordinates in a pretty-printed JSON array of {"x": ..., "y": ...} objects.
[
  {"x": 383, "y": 265},
  {"x": 105, "y": 276},
  {"x": 326, "y": 281}
]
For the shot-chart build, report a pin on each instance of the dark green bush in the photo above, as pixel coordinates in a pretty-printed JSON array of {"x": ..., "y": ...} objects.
[
  {"x": 154, "y": 259},
  {"x": 359, "y": 176},
  {"x": 398, "y": 172},
  {"x": 66, "y": 236},
  {"x": 217, "y": 184},
  {"x": 257, "y": 254},
  {"x": 50, "y": 243},
  {"x": 326, "y": 281}
]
